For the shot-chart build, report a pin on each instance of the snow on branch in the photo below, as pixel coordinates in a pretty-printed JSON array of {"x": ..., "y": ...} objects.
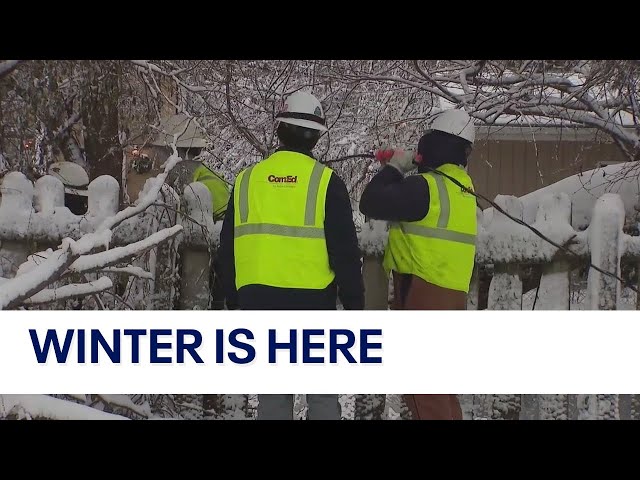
[
  {"x": 124, "y": 402},
  {"x": 145, "y": 66},
  {"x": 97, "y": 261},
  {"x": 129, "y": 270},
  {"x": 149, "y": 198},
  {"x": 27, "y": 284},
  {"x": 72, "y": 290},
  {"x": 592, "y": 94},
  {"x": 66, "y": 126},
  {"x": 36, "y": 275},
  {"x": 91, "y": 241}
]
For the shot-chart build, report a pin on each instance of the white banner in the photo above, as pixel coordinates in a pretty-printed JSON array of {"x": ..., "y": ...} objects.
[{"x": 345, "y": 352}]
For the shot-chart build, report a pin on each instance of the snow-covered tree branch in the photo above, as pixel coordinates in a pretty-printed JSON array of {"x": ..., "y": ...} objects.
[
  {"x": 598, "y": 94},
  {"x": 100, "y": 261},
  {"x": 72, "y": 290},
  {"x": 83, "y": 255}
]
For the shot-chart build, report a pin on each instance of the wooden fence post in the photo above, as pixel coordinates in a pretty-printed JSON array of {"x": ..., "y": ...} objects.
[
  {"x": 554, "y": 294},
  {"x": 605, "y": 239},
  {"x": 603, "y": 291},
  {"x": 474, "y": 290},
  {"x": 371, "y": 406},
  {"x": 505, "y": 293},
  {"x": 195, "y": 254},
  {"x": 16, "y": 202},
  {"x": 376, "y": 283}
]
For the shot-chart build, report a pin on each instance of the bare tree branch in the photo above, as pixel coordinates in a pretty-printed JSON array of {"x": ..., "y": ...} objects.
[
  {"x": 129, "y": 270},
  {"x": 243, "y": 130}
]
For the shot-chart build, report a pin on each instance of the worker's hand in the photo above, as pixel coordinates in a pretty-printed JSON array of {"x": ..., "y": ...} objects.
[{"x": 403, "y": 160}]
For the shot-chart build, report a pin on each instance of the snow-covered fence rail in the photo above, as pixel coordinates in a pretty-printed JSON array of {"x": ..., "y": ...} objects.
[{"x": 508, "y": 247}]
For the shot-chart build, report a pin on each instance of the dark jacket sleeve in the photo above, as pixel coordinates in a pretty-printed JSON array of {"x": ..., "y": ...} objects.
[
  {"x": 342, "y": 245},
  {"x": 391, "y": 196},
  {"x": 226, "y": 260}
]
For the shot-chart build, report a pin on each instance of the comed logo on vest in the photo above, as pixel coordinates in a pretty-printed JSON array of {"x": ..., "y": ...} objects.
[
  {"x": 286, "y": 179},
  {"x": 467, "y": 193}
]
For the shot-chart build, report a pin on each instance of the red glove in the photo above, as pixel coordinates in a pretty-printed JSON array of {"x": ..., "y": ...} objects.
[{"x": 383, "y": 156}]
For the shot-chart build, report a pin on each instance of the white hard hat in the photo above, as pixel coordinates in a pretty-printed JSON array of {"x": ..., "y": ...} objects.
[
  {"x": 456, "y": 122},
  {"x": 73, "y": 177},
  {"x": 304, "y": 110}
]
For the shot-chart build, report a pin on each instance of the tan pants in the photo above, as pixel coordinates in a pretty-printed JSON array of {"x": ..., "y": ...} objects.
[{"x": 413, "y": 293}]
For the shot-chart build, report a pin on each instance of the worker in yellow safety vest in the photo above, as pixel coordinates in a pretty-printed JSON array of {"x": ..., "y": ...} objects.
[
  {"x": 188, "y": 171},
  {"x": 288, "y": 239},
  {"x": 431, "y": 247},
  {"x": 192, "y": 170}
]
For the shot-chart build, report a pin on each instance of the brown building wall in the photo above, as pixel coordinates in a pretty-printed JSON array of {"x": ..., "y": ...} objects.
[{"x": 517, "y": 167}]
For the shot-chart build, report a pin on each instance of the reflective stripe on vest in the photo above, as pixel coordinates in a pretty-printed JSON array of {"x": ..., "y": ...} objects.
[
  {"x": 440, "y": 248},
  {"x": 442, "y": 234},
  {"x": 279, "y": 223},
  {"x": 283, "y": 230}
]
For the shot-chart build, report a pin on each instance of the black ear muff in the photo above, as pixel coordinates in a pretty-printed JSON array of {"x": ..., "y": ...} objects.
[
  {"x": 467, "y": 151},
  {"x": 311, "y": 134}
]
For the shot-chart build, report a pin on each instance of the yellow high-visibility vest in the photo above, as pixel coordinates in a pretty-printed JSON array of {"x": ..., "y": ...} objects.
[
  {"x": 279, "y": 216},
  {"x": 217, "y": 187},
  {"x": 441, "y": 247}
]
